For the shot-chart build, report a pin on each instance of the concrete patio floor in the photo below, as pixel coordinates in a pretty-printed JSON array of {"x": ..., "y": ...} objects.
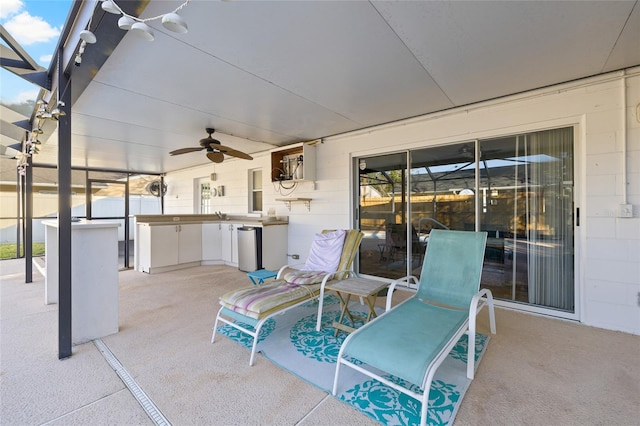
[{"x": 536, "y": 370}]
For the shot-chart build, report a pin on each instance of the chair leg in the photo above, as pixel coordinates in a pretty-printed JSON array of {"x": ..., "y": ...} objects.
[
  {"x": 255, "y": 336},
  {"x": 215, "y": 327},
  {"x": 471, "y": 349},
  {"x": 424, "y": 410},
  {"x": 335, "y": 378},
  {"x": 253, "y": 350},
  {"x": 320, "y": 306},
  {"x": 492, "y": 314}
]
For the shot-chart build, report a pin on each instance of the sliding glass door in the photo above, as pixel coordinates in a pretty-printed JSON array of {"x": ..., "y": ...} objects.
[
  {"x": 519, "y": 189},
  {"x": 526, "y": 202},
  {"x": 383, "y": 212}
]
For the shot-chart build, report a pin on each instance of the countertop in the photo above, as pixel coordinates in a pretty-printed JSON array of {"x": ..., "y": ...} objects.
[
  {"x": 84, "y": 224},
  {"x": 169, "y": 219}
]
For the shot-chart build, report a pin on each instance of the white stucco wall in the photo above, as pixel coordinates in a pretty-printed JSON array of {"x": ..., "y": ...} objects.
[{"x": 607, "y": 246}]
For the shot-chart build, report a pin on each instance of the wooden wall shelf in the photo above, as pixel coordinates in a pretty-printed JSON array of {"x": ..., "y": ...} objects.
[{"x": 287, "y": 202}]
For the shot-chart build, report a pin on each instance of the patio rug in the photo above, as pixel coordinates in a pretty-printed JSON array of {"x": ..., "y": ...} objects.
[{"x": 291, "y": 342}]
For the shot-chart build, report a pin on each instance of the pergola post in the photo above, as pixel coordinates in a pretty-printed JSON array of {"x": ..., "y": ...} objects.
[
  {"x": 64, "y": 211},
  {"x": 28, "y": 222}
]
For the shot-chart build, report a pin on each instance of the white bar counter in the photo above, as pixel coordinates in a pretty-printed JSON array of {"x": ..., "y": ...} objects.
[{"x": 94, "y": 277}]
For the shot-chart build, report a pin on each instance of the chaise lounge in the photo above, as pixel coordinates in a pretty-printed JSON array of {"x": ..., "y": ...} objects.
[
  {"x": 412, "y": 339},
  {"x": 330, "y": 258}
]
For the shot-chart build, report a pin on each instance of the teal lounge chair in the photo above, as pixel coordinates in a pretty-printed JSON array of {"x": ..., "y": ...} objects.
[{"x": 411, "y": 340}]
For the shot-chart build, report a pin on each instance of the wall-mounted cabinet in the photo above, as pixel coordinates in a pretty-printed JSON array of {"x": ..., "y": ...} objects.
[{"x": 294, "y": 163}]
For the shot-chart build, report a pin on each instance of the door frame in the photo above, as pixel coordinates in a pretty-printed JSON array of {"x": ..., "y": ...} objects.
[{"x": 579, "y": 232}]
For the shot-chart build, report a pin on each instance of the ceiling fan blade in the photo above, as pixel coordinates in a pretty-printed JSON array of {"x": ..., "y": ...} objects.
[
  {"x": 216, "y": 157},
  {"x": 185, "y": 150},
  {"x": 231, "y": 151}
]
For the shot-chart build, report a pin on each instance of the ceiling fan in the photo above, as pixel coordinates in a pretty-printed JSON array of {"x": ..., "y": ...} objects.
[{"x": 215, "y": 150}]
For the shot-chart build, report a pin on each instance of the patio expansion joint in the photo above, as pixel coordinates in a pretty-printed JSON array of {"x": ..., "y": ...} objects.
[
  {"x": 79, "y": 409},
  {"x": 143, "y": 399},
  {"x": 327, "y": 396}
]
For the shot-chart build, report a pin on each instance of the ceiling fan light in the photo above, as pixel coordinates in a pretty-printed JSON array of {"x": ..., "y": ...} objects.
[
  {"x": 88, "y": 36},
  {"x": 216, "y": 157},
  {"x": 174, "y": 22},
  {"x": 143, "y": 30},
  {"x": 110, "y": 6},
  {"x": 125, "y": 22}
]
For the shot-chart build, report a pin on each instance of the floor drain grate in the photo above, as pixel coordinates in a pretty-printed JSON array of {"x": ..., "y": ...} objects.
[{"x": 143, "y": 399}]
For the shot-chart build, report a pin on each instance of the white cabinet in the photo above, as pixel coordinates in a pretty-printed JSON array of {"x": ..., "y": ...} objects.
[
  {"x": 163, "y": 246},
  {"x": 220, "y": 244},
  {"x": 229, "y": 243},
  {"x": 211, "y": 243},
  {"x": 189, "y": 243},
  {"x": 274, "y": 246},
  {"x": 167, "y": 247}
]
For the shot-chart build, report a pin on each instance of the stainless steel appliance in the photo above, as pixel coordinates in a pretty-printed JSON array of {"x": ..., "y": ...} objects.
[{"x": 249, "y": 248}]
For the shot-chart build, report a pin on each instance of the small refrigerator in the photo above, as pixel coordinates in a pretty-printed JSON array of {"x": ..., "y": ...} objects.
[{"x": 249, "y": 248}]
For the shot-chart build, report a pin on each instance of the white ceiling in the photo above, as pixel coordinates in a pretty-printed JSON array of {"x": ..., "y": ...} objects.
[{"x": 269, "y": 73}]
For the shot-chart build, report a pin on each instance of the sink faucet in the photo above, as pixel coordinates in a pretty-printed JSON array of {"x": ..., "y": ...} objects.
[{"x": 219, "y": 214}]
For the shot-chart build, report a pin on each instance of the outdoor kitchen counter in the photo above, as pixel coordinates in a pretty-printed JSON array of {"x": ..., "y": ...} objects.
[
  {"x": 94, "y": 277},
  {"x": 168, "y": 242},
  {"x": 168, "y": 219}
]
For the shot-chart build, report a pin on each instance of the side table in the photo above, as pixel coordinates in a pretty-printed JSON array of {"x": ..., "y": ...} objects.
[
  {"x": 258, "y": 277},
  {"x": 364, "y": 288}
]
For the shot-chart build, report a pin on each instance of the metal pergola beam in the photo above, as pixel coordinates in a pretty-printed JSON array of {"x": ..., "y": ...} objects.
[{"x": 15, "y": 59}]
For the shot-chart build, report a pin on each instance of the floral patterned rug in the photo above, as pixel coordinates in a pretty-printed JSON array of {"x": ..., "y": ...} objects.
[{"x": 291, "y": 341}]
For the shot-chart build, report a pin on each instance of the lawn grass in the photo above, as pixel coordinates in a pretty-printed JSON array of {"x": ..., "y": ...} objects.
[{"x": 8, "y": 250}]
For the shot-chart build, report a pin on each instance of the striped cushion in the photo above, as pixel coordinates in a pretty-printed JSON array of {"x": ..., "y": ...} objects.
[
  {"x": 265, "y": 299},
  {"x": 305, "y": 277},
  {"x": 260, "y": 301}
]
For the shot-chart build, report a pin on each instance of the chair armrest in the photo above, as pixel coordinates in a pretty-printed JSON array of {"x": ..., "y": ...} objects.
[
  {"x": 409, "y": 280},
  {"x": 477, "y": 303},
  {"x": 332, "y": 276},
  {"x": 287, "y": 268}
]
